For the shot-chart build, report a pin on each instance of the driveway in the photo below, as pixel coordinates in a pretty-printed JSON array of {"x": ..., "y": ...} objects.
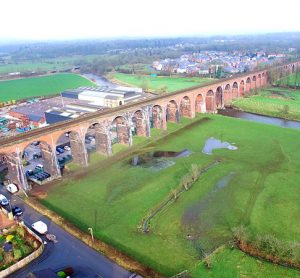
[{"x": 68, "y": 251}]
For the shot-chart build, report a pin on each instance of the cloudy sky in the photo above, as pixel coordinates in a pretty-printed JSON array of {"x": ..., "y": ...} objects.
[{"x": 69, "y": 19}]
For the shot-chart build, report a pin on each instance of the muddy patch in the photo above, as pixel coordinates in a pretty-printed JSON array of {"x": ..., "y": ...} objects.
[
  {"x": 201, "y": 224},
  {"x": 157, "y": 160},
  {"x": 213, "y": 143}
]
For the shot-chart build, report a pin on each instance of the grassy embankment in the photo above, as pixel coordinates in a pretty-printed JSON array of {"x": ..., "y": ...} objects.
[
  {"x": 40, "y": 86},
  {"x": 290, "y": 80},
  {"x": 261, "y": 192},
  {"x": 276, "y": 102},
  {"x": 159, "y": 84}
]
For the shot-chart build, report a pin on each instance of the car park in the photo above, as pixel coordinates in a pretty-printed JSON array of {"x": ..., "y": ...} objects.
[
  {"x": 16, "y": 211},
  {"x": 3, "y": 200},
  {"x": 12, "y": 188}
]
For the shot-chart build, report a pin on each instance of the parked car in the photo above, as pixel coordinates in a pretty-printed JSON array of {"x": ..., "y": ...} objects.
[
  {"x": 39, "y": 167},
  {"x": 12, "y": 188},
  {"x": 60, "y": 150},
  {"x": 48, "y": 272},
  {"x": 29, "y": 173},
  {"x": 67, "y": 148},
  {"x": 16, "y": 211},
  {"x": 40, "y": 227},
  {"x": 37, "y": 155},
  {"x": 35, "y": 143},
  {"x": 3, "y": 200}
]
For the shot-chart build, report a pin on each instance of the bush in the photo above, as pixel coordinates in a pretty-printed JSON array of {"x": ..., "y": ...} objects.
[
  {"x": 21, "y": 231},
  {"x": 240, "y": 234},
  {"x": 61, "y": 274},
  {"x": 17, "y": 254}
]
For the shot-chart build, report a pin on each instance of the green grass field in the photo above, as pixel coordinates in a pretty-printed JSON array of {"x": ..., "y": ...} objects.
[
  {"x": 290, "y": 80},
  {"x": 40, "y": 86},
  {"x": 261, "y": 192},
  {"x": 160, "y": 83},
  {"x": 277, "y": 102},
  {"x": 60, "y": 63}
]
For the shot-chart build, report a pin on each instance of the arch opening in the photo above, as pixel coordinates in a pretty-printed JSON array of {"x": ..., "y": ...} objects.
[
  {"x": 139, "y": 123},
  {"x": 199, "y": 104},
  {"x": 172, "y": 114},
  {"x": 219, "y": 98},
  {"x": 210, "y": 101},
  {"x": 120, "y": 131},
  {"x": 185, "y": 107},
  {"x": 157, "y": 120}
]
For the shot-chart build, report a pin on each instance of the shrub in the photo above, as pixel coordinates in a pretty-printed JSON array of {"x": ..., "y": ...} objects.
[
  {"x": 240, "y": 233},
  {"x": 17, "y": 254},
  {"x": 21, "y": 231},
  {"x": 61, "y": 274}
]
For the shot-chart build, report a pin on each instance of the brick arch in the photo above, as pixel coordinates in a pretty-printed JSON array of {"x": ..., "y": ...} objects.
[
  {"x": 258, "y": 83},
  {"x": 235, "y": 90},
  {"x": 48, "y": 160},
  {"x": 185, "y": 107},
  {"x": 219, "y": 98},
  {"x": 242, "y": 88},
  {"x": 199, "y": 102},
  {"x": 157, "y": 119},
  {"x": 139, "y": 123},
  {"x": 263, "y": 79},
  {"x": 227, "y": 94},
  {"x": 248, "y": 85},
  {"x": 120, "y": 130},
  {"x": 210, "y": 101},
  {"x": 253, "y": 82},
  {"x": 172, "y": 113}
]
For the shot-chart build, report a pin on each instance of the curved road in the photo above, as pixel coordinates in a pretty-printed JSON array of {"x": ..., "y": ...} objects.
[{"x": 68, "y": 251}]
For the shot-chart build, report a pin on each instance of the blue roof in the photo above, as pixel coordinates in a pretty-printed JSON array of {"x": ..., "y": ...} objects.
[{"x": 34, "y": 118}]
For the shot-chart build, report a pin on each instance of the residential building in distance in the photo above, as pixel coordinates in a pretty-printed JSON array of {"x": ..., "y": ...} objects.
[{"x": 207, "y": 63}]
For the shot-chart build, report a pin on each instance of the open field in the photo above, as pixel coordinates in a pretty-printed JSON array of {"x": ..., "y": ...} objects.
[
  {"x": 256, "y": 185},
  {"x": 40, "y": 86},
  {"x": 159, "y": 83},
  {"x": 276, "y": 102},
  {"x": 60, "y": 63},
  {"x": 290, "y": 80}
]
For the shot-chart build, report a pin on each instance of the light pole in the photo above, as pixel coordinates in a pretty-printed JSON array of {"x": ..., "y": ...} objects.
[{"x": 92, "y": 235}]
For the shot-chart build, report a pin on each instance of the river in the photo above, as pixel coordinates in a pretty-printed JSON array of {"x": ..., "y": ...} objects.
[
  {"x": 100, "y": 80},
  {"x": 259, "y": 118}
]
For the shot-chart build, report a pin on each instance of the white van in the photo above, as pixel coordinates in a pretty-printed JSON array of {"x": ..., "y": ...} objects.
[
  {"x": 12, "y": 188},
  {"x": 40, "y": 227}
]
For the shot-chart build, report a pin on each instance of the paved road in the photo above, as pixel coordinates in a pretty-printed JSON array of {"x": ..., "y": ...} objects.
[{"x": 69, "y": 251}]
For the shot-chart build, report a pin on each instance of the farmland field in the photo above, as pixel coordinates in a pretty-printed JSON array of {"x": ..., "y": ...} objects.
[
  {"x": 255, "y": 185},
  {"x": 40, "y": 86},
  {"x": 159, "y": 83},
  {"x": 276, "y": 102},
  {"x": 41, "y": 65}
]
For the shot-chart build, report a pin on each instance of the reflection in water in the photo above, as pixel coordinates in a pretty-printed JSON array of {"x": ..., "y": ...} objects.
[
  {"x": 157, "y": 160},
  {"x": 213, "y": 143},
  {"x": 100, "y": 80},
  {"x": 259, "y": 118}
]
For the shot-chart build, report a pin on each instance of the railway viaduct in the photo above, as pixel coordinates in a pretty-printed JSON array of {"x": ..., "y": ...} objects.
[{"x": 118, "y": 125}]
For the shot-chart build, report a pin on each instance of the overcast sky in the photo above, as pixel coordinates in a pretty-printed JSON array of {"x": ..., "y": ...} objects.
[{"x": 69, "y": 19}]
